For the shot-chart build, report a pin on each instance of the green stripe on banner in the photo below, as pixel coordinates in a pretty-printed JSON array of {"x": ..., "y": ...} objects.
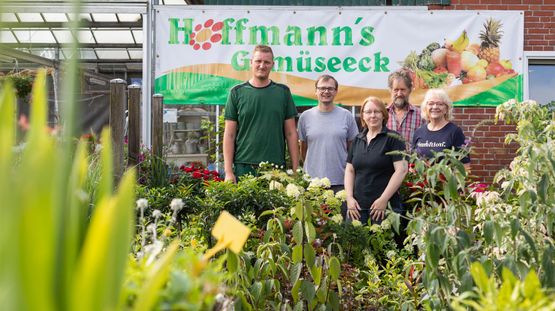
[
  {"x": 186, "y": 88},
  {"x": 509, "y": 89}
]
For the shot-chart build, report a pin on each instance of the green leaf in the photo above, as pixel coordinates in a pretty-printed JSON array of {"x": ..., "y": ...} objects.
[
  {"x": 156, "y": 278},
  {"x": 322, "y": 291},
  {"x": 515, "y": 227},
  {"x": 295, "y": 272},
  {"x": 488, "y": 231},
  {"x": 395, "y": 221},
  {"x": 452, "y": 186},
  {"x": 480, "y": 277},
  {"x": 532, "y": 286},
  {"x": 548, "y": 267},
  {"x": 297, "y": 255},
  {"x": 232, "y": 262},
  {"x": 543, "y": 187},
  {"x": 432, "y": 255},
  {"x": 295, "y": 290},
  {"x": 299, "y": 210},
  {"x": 316, "y": 273},
  {"x": 308, "y": 291},
  {"x": 531, "y": 242},
  {"x": 255, "y": 291},
  {"x": 298, "y": 232},
  {"x": 335, "y": 268},
  {"x": 310, "y": 231},
  {"x": 309, "y": 255}
]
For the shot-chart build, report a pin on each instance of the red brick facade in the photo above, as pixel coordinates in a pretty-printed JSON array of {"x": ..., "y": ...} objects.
[{"x": 489, "y": 153}]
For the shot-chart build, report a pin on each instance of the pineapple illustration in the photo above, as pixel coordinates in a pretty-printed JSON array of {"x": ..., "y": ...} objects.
[{"x": 490, "y": 36}]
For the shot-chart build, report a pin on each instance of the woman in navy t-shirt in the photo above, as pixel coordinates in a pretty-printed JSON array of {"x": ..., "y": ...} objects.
[{"x": 439, "y": 133}]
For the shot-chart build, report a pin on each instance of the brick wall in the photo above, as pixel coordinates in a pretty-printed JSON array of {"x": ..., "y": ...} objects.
[{"x": 489, "y": 153}]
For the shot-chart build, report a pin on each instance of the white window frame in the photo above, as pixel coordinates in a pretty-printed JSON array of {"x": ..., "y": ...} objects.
[{"x": 548, "y": 56}]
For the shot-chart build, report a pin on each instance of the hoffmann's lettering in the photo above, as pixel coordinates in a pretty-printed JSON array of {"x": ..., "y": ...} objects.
[{"x": 236, "y": 32}]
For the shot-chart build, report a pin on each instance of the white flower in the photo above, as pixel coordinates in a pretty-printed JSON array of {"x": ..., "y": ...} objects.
[
  {"x": 299, "y": 170},
  {"x": 151, "y": 227},
  {"x": 325, "y": 182},
  {"x": 276, "y": 185},
  {"x": 156, "y": 213},
  {"x": 142, "y": 203},
  {"x": 152, "y": 250},
  {"x": 289, "y": 172},
  {"x": 390, "y": 254},
  {"x": 337, "y": 218},
  {"x": 341, "y": 195},
  {"x": 176, "y": 205},
  {"x": 292, "y": 191},
  {"x": 375, "y": 228},
  {"x": 356, "y": 223},
  {"x": 386, "y": 224},
  {"x": 306, "y": 177},
  {"x": 315, "y": 183},
  {"x": 328, "y": 194}
]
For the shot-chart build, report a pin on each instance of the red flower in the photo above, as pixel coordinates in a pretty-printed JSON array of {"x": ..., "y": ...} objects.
[
  {"x": 197, "y": 174},
  {"x": 478, "y": 187}
]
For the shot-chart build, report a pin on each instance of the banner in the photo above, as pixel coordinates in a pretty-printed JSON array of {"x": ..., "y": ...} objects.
[{"x": 476, "y": 56}]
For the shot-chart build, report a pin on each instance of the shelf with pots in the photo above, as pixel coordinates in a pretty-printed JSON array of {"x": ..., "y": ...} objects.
[{"x": 184, "y": 137}]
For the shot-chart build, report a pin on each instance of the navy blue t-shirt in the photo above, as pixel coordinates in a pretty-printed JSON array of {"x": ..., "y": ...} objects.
[{"x": 426, "y": 142}]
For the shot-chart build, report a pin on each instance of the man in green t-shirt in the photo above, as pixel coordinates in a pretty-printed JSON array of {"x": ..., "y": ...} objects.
[{"x": 259, "y": 119}]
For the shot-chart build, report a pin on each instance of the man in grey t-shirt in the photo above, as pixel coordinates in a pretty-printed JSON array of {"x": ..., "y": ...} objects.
[{"x": 325, "y": 132}]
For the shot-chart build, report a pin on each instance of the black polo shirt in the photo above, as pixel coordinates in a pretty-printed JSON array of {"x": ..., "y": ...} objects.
[{"x": 373, "y": 166}]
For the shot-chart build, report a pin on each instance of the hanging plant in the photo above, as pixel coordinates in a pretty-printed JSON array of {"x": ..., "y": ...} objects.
[{"x": 22, "y": 82}]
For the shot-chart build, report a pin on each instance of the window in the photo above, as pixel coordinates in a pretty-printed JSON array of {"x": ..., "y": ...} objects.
[{"x": 539, "y": 78}]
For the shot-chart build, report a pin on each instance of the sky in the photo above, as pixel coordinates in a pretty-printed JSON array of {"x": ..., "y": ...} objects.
[{"x": 542, "y": 83}]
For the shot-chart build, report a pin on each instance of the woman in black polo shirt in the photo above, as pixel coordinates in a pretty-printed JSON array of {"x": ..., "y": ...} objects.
[{"x": 372, "y": 176}]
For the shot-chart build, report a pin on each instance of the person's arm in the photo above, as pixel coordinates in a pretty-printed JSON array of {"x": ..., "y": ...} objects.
[
  {"x": 292, "y": 142},
  {"x": 304, "y": 148},
  {"x": 349, "y": 182},
  {"x": 230, "y": 133},
  {"x": 377, "y": 210}
]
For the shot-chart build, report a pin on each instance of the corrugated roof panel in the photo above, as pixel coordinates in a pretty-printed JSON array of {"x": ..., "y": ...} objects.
[
  {"x": 35, "y": 36},
  {"x": 8, "y": 17},
  {"x": 7, "y": 37}
]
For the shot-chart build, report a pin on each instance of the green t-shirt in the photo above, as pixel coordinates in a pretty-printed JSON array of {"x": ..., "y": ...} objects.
[{"x": 260, "y": 114}]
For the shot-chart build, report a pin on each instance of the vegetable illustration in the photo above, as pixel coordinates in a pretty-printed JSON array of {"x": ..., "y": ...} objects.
[
  {"x": 454, "y": 62},
  {"x": 460, "y": 61}
]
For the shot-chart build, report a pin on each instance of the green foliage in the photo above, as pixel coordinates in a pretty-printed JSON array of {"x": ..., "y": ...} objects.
[
  {"x": 52, "y": 257},
  {"x": 511, "y": 294}
]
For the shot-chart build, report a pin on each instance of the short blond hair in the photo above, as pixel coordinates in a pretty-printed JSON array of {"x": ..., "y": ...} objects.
[
  {"x": 441, "y": 95},
  {"x": 381, "y": 105},
  {"x": 263, "y": 49}
]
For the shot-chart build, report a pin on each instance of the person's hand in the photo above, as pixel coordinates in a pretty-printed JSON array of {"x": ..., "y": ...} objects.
[
  {"x": 353, "y": 209},
  {"x": 377, "y": 210},
  {"x": 230, "y": 177}
]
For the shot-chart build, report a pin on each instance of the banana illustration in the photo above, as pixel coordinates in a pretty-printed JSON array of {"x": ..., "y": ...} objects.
[{"x": 461, "y": 43}]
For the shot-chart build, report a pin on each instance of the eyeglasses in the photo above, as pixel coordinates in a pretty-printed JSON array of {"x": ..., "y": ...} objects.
[
  {"x": 324, "y": 89},
  {"x": 372, "y": 111},
  {"x": 437, "y": 104}
]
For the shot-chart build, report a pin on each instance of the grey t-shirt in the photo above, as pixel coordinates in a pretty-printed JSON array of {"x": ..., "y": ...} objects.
[{"x": 326, "y": 135}]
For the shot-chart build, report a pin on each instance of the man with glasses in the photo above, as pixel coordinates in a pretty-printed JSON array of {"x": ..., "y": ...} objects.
[
  {"x": 259, "y": 119},
  {"x": 404, "y": 118},
  {"x": 326, "y": 132}
]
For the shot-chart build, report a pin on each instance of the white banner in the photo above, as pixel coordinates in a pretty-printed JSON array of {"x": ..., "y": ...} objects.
[{"x": 477, "y": 56}]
